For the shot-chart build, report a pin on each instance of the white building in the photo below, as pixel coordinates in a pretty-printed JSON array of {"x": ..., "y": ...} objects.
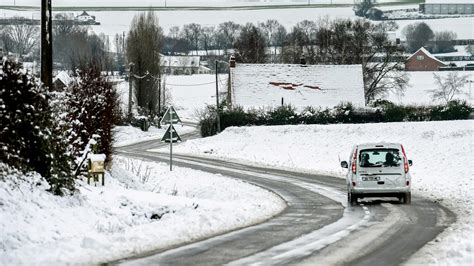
[
  {"x": 183, "y": 65},
  {"x": 264, "y": 85},
  {"x": 448, "y": 7},
  {"x": 85, "y": 17}
]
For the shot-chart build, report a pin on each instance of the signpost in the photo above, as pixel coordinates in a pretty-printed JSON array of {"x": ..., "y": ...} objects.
[{"x": 170, "y": 117}]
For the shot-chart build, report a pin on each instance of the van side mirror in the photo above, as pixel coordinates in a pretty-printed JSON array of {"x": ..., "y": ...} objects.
[
  {"x": 410, "y": 162},
  {"x": 344, "y": 164}
]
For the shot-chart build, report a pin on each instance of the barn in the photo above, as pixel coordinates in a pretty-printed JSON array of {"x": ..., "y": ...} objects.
[{"x": 423, "y": 60}]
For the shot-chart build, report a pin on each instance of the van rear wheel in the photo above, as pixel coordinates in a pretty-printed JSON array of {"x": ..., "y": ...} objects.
[
  {"x": 351, "y": 198},
  {"x": 407, "y": 198}
]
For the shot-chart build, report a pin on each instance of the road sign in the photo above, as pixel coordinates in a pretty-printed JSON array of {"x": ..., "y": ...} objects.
[
  {"x": 170, "y": 117},
  {"x": 171, "y": 134}
]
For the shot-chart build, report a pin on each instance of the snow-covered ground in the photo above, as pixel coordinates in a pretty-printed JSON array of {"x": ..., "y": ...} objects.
[
  {"x": 170, "y": 3},
  {"x": 140, "y": 209},
  {"x": 117, "y": 22},
  {"x": 441, "y": 151},
  {"x": 420, "y": 85}
]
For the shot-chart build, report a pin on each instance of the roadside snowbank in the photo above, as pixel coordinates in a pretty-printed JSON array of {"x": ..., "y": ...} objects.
[
  {"x": 441, "y": 151},
  {"x": 129, "y": 215}
]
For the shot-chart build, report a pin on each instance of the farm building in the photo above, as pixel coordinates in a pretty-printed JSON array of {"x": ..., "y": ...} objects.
[
  {"x": 183, "y": 65},
  {"x": 266, "y": 85},
  {"x": 85, "y": 17},
  {"x": 423, "y": 60},
  {"x": 445, "y": 7}
]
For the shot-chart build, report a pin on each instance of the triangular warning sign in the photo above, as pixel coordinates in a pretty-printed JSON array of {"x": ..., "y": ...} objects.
[
  {"x": 170, "y": 116},
  {"x": 167, "y": 136}
]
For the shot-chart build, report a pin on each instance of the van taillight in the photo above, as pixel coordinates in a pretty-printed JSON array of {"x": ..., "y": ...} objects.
[
  {"x": 405, "y": 161},
  {"x": 354, "y": 162}
]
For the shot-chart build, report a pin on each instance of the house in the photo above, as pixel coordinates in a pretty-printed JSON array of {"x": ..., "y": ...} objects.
[
  {"x": 423, "y": 60},
  {"x": 301, "y": 85},
  {"x": 183, "y": 65},
  {"x": 61, "y": 81},
  {"x": 85, "y": 17},
  {"x": 447, "y": 7}
]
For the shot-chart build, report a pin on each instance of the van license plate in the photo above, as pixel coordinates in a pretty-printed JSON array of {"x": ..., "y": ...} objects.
[{"x": 371, "y": 178}]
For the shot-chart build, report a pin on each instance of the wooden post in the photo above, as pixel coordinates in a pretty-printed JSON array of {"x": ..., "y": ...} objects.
[
  {"x": 46, "y": 44},
  {"x": 130, "y": 92},
  {"x": 218, "y": 120}
]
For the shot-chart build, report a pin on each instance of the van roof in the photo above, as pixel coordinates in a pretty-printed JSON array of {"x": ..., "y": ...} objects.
[{"x": 378, "y": 145}]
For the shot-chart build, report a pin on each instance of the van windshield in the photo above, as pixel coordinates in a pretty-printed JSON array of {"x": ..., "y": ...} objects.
[{"x": 380, "y": 158}]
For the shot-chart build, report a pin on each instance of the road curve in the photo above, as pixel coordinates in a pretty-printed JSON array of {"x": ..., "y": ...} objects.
[{"x": 316, "y": 227}]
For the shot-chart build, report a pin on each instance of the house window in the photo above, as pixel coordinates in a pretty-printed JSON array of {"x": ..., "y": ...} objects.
[{"x": 420, "y": 57}]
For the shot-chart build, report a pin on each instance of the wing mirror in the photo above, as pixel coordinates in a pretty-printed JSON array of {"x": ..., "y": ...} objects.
[
  {"x": 410, "y": 162},
  {"x": 344, "y": 164}
]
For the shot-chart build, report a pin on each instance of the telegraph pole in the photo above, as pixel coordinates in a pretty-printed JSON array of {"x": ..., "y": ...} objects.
[
  {"x": 130, "y": 92},
  {"x": 46, "y": 44},
  {"x": 218, "y": 119}
]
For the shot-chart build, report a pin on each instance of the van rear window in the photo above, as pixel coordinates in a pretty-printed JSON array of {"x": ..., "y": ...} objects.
[{"x": 380, "y": 158}]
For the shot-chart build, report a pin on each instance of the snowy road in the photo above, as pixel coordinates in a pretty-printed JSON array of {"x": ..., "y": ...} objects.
[{"x": 316, "y": 227}]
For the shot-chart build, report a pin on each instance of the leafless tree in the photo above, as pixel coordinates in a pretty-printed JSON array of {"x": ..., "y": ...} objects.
[
  {"x": 207, "y": 38},
  {"x": 21, "y": 38},
  {"x": 192, "y": 32},
  {"x": 449, "y": 86},
  {"x": 443, "y": 41},
  {"x": 251, "y": 45},
  {"x": 228, "y": 33}
]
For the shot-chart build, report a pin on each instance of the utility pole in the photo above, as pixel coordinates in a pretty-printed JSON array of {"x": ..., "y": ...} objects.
[
  {"x": 46, "y": 44},
  {"x": 159, "y": 96},
  {"x": 218, "y": 119},
  {"x": 130, "y": 92}
]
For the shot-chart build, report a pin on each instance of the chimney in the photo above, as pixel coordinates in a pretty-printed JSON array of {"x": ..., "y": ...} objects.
[
  {"x": 232, "y": 61},
  {"x": 303, "y": 60}
]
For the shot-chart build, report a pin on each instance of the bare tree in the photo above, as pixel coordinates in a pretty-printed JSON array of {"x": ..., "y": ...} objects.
[
  {"x": 22, "y": 38},
  {"x": 443, "y": 41},
  {"x": 144, "y": 43},
  {"x": 207, "y": 38},
  {"x": 192, "y": 32},
  {"x": 418, "y": 35},
  {"x": 449, "y": 86},
  {"x": 228, "y": 32},
  {"x": 272, "y": 29},
  {"x": 251, "y": 45}
]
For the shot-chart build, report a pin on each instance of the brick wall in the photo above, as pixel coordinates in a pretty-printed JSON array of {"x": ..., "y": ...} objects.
[{"x": 421, "y": 62}]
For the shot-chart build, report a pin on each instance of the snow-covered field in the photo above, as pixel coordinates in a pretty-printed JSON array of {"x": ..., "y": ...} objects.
[
  {"x": 170, "y": 3},
  {"x": 131, "y": 214},
  {"x": 420, "y": 85},
  {"x": 441, "y": 151},
  {"x": 117, "y": 22}
]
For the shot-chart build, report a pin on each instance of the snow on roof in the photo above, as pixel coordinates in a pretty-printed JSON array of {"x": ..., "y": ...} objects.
[
  {"x": 96, "y": 157},
  {"x": 263, "y": 85},
  {"x": 180, "y": 61},
  {"x": 84, "y": 13},
  {"x": 63, "y": 77},
  {"x": 427, "y": 53}
]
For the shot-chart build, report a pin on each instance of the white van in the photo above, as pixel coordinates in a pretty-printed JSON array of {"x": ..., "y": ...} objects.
[{"x": 378, "y": 170}]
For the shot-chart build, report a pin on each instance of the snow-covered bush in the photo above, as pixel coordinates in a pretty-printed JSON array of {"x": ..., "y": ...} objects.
[
  {"x": 92, "y": 107},
  {"x": 28, "y": 138}
]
